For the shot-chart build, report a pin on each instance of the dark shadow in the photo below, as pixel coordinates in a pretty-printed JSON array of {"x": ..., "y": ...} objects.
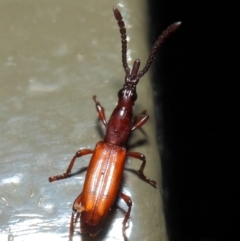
[
  {"x": 198, "y": 93},
  {"x": 138, "y": 143}
]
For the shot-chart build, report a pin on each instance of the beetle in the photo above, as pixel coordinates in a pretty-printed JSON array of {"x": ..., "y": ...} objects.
[{"x": 105, "y": 170}]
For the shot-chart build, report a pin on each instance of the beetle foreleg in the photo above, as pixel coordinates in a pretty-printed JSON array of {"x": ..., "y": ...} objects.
[
  {"x": 128, "y": 201},
  {"x": 68, "y": 171},
  {"x": 141, "y": 157},
  {"x": 140, "y": 120},
  {"x": 100, "y": 111}
]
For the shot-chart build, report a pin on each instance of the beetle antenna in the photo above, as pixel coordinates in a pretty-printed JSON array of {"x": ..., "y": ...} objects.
[
  {"x": 165, "y": 34},
  {"x": 122, "y": 29}
]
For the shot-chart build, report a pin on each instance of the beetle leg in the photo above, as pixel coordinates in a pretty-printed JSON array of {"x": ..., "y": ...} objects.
[
  {"x": 74, "y": 211},
  {"x": 71, "y": 227},
  {"x": 141, "y": 157},
  {"x": 100, "y": 111},
  {"x": 128, "y": 201},
  {"x": 140, "y": 120},
  {"x": 68, "y": 171}
]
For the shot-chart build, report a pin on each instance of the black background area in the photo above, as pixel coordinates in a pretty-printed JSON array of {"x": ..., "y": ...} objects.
[{"x": 196, "y": 75}]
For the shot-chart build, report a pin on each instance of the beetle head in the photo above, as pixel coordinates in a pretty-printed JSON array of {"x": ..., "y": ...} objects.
[{"x": 128, "y": 92}]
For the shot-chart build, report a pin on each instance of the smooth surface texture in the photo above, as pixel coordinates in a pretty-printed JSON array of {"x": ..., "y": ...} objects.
[
  {"x": 101, "y": 186},
  {"x": 55, "y": 55}
]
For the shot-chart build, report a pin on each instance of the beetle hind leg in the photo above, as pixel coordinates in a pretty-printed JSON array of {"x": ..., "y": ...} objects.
[
  {"x": 128, "y": 201},
  {"x": 75, "y": 211}
]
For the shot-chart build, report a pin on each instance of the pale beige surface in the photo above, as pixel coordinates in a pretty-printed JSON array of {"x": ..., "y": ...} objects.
[{"x": 54, "y": 55}]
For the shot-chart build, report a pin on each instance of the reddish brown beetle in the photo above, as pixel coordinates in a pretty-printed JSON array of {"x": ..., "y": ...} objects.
[{"x": 105, "y": 170}]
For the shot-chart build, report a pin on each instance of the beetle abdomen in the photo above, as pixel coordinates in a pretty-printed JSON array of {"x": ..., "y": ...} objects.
[{"x": 102, "y": 183}]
